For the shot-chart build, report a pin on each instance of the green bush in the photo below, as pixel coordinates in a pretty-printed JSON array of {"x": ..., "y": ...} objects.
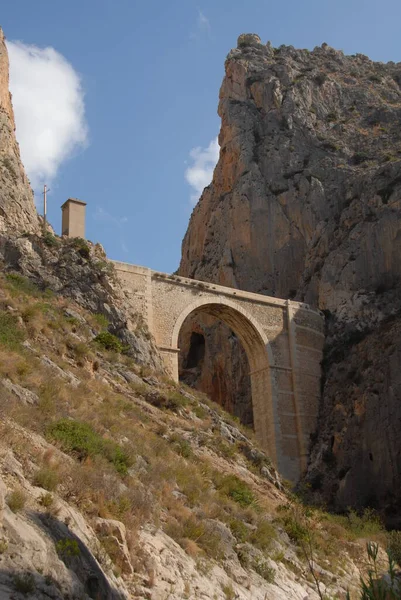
[
  {"x": 46, "y": 500},
  {"x": 101, "y": 320},
  {"x": 193, "y": 529},
  {"x": 24, "y": 583},
  {"x": 67, "y": 548},
  {"x": 394, "y": 546},
  {"x": 81, "y": 440},
  {"x": 295, "y": 530},
  {"x": 109, "y": 342},
  {"x": 46, "y": 478},
  {"x": 11, "y": 335},
  {"x": 21, "y": 284},
  {"x": 175, "y": 400},
  {"x": 263, "y": 535},
  {"x": 239, "y": 530},
  {"x": 181, "y": 446},
  {"x": 236, "y": 489},
  {"x": 16, "y": 500},
  {"x": 50, "y": 240},
  {"x": 81, "y": 247},
  {"x": 262, "y": 568}
]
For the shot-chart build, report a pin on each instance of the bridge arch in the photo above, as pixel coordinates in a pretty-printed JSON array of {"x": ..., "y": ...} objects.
[{"x": 259, "y": 354}]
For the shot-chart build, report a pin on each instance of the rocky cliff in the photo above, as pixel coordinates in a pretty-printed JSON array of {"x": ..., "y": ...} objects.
[
  {"x": 17, "y": 209},
  {"x": 118, "y": 483},
  {"x": 305, "y": 203}
]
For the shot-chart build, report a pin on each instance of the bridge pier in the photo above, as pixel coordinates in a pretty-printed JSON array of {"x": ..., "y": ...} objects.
[{"x": 170, "y": 360}]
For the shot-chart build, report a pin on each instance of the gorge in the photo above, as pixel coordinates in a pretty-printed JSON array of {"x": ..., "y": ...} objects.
[{"x": 305, "y": 203}]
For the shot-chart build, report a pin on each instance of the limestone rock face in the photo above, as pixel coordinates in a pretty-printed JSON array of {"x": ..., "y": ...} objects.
[
  {"x": 305, "y": 203},
  {"x": 17, "y": 208}
]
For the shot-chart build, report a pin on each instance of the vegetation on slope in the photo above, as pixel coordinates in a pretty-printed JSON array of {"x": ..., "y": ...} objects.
[{"x": 130, "y": 445}]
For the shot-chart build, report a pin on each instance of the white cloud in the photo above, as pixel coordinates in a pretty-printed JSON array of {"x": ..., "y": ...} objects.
[
  {"x": 203, "y": 22},
  {"x": 49, "y": 109},
  {"x": 200, "y": 173},
  {"x": 103, "y": 215},
  {"x": 203, "y": 27}
]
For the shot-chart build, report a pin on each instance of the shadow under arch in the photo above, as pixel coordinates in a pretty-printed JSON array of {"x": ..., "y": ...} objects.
[{"x": 260, "y": 358}]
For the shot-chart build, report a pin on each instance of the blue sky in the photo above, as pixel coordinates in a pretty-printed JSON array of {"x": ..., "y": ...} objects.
[{"x": 150, "y": 72}]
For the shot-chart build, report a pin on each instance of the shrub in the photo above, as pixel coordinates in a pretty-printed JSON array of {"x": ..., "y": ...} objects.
[
  {"x": 10, "y": 167},
  {"x": 30, "y": 312},
  {"x": 262, "y": 568},
  {"x": 175, "y": 400},
  {"x": 109, "y": 341},
  {"x": 364, "y": 525},
  {"x": 23, "y": 285},
  {"x": 11, "y": 335},
  {"x": 16, "y": 500},
  {"x": 46, "y": 478},
  {"x": 296, "y": 531},
  {"x": 359, "y": 158},
  {"x": 236, "y": 489},
  {"x": 171, "y": 399},
  {"x": 104, "y": 266},
  {"x": 181, "y": 446},
  {"x": 263, "y": 535},
  {"x": 394, "y": 546},
  {"x": 195, "y": 530},
  {"x": 24, "y": 583},
  {"x": 228, "y": 451},
  {"x": 80, "y": 350},
  {"x": 239, "y": 530},
  {"x": 50, "y": 240},
  {"x": 80, "y": 439},
  {"x": 229, "y": 592},
  {"x": 81, "y": 247},
  {"x": 101, "y": 320},
  {"x": 67, "y": 548},
  {"x": 46, "y": 500},
  {"x": 320, "y": 78}
]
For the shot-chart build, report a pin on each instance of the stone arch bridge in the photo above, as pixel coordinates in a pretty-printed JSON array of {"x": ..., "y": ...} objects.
[{"x": 283, "y": 341}]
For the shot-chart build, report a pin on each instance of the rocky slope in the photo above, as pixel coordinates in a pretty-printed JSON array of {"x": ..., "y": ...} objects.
[
  {"x": 116, "y": 483},
  {"x": 17, "y": 207},
  {"x": 79, "y": 270},
  {"x": 305, "y": 203}
]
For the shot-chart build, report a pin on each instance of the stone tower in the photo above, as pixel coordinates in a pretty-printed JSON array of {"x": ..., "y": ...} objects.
[{"x": 73, "y": 218}]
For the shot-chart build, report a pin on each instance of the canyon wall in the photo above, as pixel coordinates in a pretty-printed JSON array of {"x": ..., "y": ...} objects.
[
  {"x": 17, "y": 208},
  {"x": 305, "y": 203}
]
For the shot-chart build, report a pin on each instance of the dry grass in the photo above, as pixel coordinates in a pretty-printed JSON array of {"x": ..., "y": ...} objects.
[{"x": 178, "y": 469}]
